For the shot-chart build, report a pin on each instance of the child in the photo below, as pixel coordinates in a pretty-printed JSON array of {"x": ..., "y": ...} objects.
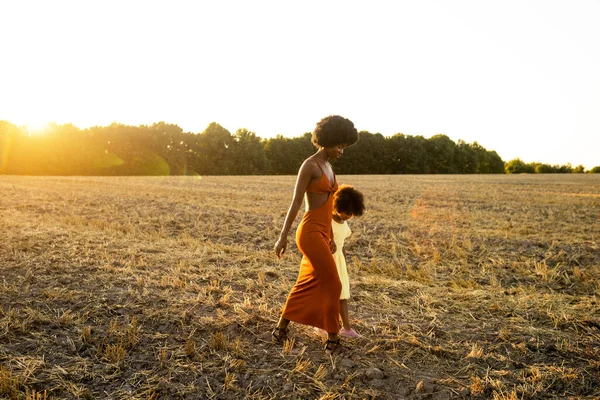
[{"x": 347, "y": 203}]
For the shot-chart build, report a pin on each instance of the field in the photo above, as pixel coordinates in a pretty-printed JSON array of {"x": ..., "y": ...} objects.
[{"x": 168, "y": 288}]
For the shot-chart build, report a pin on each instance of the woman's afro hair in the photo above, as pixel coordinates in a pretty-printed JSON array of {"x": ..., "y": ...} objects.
[
  {"x": 349, "y": 201},
  {"x": 334, "y": 130}
]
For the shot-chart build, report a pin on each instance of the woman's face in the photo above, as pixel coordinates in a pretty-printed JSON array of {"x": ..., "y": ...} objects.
[{"x": 335, "y": 151}]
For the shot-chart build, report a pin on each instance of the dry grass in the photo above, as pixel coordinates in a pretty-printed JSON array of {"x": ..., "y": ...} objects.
[{"x": 166, "y": 288}]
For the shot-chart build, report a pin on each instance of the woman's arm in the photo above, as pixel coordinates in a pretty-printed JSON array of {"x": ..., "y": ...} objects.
[{"x": 302, "y": 181}]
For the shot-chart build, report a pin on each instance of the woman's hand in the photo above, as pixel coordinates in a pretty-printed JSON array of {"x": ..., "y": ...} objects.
[
  {"x": 280, "y": 247},
  {"x": 332, "y": 246}
]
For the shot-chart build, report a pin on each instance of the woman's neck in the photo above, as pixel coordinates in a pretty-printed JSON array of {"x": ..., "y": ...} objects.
[{"x": 321, "y": 154}]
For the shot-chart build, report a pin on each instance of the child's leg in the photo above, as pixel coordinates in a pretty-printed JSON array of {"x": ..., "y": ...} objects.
[
  {"x": 344, "y": 314},
  {"x": 347, "y": 328}
]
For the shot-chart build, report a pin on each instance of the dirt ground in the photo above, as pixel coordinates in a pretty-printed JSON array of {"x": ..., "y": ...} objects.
[{"x": 167, "y": 288}]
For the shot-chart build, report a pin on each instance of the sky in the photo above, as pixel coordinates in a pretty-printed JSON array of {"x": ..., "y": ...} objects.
[{"x": 519, "y": 77}]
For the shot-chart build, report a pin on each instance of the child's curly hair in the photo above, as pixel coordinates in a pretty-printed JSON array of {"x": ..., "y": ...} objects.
[
  {"x": 349, "y": 201},
  {"x": 334, "y": 130}
]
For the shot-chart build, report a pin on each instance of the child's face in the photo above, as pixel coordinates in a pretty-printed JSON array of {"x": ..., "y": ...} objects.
[{"x": 343, "y": 216}]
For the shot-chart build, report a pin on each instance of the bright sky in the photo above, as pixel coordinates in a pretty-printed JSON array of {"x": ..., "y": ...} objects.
[{"x": 519, "y": 77}]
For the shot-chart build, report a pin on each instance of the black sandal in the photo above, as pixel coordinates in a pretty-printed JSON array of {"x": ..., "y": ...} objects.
[
  {"x": 332, "y": 345},
  {"x": 279, "y": 334}
]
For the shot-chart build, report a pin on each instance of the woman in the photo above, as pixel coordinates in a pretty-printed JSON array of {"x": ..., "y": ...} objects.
[{"x": 314, "y": 299}]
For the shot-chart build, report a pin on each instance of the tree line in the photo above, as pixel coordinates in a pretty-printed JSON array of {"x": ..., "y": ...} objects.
[
  {"x": 518, "y": 166},
  {"x": 164, "y": 149}
]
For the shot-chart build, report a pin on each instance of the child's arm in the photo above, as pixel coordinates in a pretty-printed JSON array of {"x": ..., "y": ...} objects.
[{"x": 332, "y": 245}]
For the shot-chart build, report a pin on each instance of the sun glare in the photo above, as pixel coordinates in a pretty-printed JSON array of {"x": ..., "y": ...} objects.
[{"x": 36, "y": 128}]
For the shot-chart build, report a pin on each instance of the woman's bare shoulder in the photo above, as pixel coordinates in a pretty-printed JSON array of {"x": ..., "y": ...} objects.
[{"x": 310, "y": 165}]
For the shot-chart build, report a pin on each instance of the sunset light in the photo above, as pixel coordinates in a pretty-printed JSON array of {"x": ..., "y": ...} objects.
[
  {"x": 36, "y": 128},
  {"x": 319, "y": 199},
  {"x": 517, "y": 77}
]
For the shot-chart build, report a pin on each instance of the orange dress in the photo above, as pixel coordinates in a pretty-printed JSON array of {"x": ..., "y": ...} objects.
[{"x": 315, "y": 298}]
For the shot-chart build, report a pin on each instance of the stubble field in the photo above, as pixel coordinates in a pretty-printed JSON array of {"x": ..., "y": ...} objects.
[{"x": 167, "y": 288}]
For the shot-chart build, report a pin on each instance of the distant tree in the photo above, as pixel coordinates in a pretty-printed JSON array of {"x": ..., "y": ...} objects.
[
  {"x": 10, "y": 138},
  {"x": 395, "y": 156},
  {"x": 544, "y": 169},
  {"x": 162, "y": 148},
  {"x": 565, "y": 169},
  {"x": 126, "y": 150},
  {"x": 595, "y": 170},
  {"x": 146, "y": 162},
  {"x": 407, "y": 154},
  {"x": 465, "y": 158},
  {"x": 280, "y": 159},
  {"x": 168, "y": 142},
  {"x": 496, "y": 164},
  {"x": 440, "y": 154},
  {"x": 213, "y": 152},
  {"x": 58, "y": 151},
  {"x": 367, "y": 156},
  {"x": 249, "y": 156},
  {"x": 304, "y": 147},
  {"x": 517, "y": 166},
  {"x": 285, "y": 155},
  {"x": 66, "y": 150}
]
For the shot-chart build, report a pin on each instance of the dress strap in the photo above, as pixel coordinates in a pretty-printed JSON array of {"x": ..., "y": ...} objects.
[
  {"x": 323, "y": 173},
  {"x": 319, "y": 164}
]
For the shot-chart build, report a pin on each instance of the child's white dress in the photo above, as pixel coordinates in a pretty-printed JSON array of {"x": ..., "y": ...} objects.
[{"x": 340, "y": 233}]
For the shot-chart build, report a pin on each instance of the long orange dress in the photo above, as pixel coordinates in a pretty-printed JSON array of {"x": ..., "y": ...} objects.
[{"x": 315, "y": 298}]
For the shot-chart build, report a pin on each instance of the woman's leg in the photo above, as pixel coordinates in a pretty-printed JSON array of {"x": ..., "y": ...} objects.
[
  {"x": 280, "y": 333},
  {"x": 332, "y": 343},
  {"x": 315, "y": 298},
  {"x": 283, "y": 323}
]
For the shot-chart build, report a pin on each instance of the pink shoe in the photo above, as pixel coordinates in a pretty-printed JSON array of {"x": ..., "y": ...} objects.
[{"x": 350, "y": 333}]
